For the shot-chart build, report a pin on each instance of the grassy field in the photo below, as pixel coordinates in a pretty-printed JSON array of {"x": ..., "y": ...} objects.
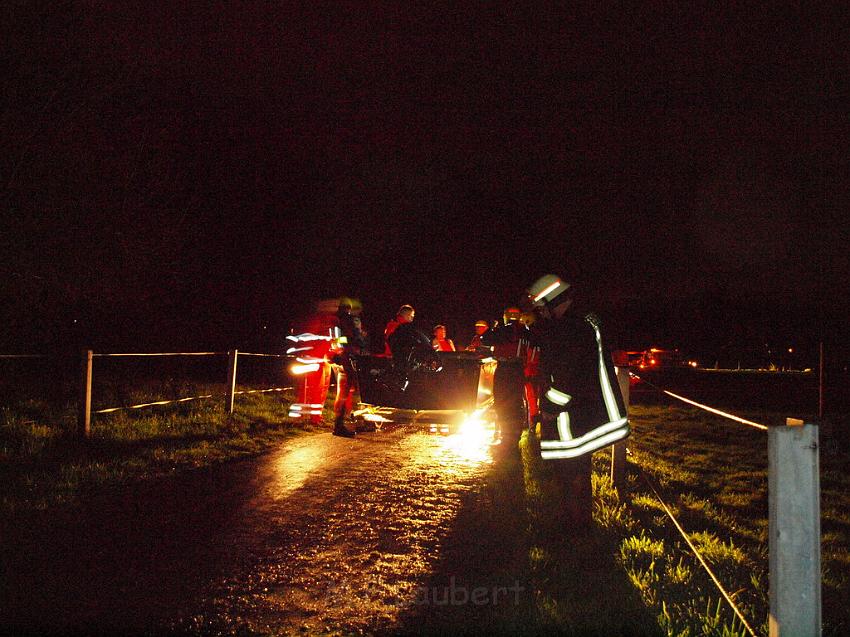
[
  {"x": 712, "y": 474},
  {"x": 43, "y": 464}
]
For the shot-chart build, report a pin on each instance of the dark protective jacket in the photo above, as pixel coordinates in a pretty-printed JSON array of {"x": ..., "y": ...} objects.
[
  {"x": 405, "y": 337},
  {"x": 579, "y": 388},
  {"x": 475, "y": 344},
  {"x": 508, "y": 341},
  {"x": 354, "y": 342},
  {"x": 412, "y": 350}
]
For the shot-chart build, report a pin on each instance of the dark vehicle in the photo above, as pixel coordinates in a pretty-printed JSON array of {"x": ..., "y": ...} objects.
[{"x": 461, "y": 389}]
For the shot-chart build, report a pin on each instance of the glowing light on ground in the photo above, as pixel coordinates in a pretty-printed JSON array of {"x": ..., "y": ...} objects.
[
  {"x": 293, "y": 468},
  {"x": 471, "y": 442}
]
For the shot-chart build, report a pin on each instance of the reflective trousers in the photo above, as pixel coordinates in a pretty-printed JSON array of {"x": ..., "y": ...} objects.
[{"x": 310, "y": 393}]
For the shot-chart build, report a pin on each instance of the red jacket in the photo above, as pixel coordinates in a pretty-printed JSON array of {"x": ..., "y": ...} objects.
[{"x": 391, "y": 327}]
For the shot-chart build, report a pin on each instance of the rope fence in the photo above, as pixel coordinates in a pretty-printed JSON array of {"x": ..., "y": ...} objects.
[
  {"x": 795, "y": 539},
  {"x": 264, "y": 355},
  {"x": 726, "y": 596},
  {"x": 23, "y": 355},
  {"x": 161, "y": 354},
  {"x": 86, "y": 411},
  {"x": 85, "y": 408},
  {"x": 183, "y": 400},
  {"x": 794, "y": 523},
  {"x": 704, "y": 407}
]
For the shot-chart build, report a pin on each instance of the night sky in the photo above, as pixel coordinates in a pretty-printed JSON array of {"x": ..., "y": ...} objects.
[{"x": 192, "y": 175}]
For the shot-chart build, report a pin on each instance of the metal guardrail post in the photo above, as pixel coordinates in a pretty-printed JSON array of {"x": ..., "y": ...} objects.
[
  {"x": 794, "y": 527},
  {"x": 618, "y": 450},
  {"x": 231, "y": 380},
  {"x": 84, "y": 404}
]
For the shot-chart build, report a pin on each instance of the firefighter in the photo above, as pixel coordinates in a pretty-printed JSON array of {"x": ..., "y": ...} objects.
[
  {"x": 475, "y": 344},
  {"x": 312, "y": 374},
  {"x": 351, "y": 343},
  {"x": 410, "y": 349},
  {"x": 404, "y": 315},
  {"x": 582, "y": 409},
  {"x": 314, "y": 350},
  {"x": 510, "y": 342}
]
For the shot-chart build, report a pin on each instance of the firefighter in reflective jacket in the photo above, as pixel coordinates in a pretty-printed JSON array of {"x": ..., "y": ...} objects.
[
  {"x": 311, "y": 372},
  {"x": 582, "y": 409},
  {"x": 313, "y": 351}
]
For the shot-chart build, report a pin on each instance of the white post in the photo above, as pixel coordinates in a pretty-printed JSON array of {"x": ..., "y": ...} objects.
[
  {"x": 231, "y": 380},
  {"x": 794, "y": 528}
]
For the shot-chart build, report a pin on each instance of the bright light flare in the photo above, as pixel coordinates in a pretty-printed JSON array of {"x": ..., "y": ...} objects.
[
  {"x": 473, "y": 438},
  {"x": 303, "y": 368},
  {"x": 375, "y": 418},
  {"x": 369, "y": 415}
]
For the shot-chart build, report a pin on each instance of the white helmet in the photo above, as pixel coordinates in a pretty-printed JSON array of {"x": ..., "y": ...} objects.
[{"x": 547, "y": 288}]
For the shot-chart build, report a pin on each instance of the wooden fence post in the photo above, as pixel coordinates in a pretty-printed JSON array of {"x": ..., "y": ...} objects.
[
  {"x": 84, "y": 404},
  {"x": 232, "y": 355},
  {"x": 618, "y": 450},
  {"x": 794, "y": 527}
]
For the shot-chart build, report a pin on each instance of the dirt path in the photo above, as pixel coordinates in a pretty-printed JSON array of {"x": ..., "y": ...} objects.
[
  {"x": 323, "y": 535},
  {"x": 394, "y": 532}
]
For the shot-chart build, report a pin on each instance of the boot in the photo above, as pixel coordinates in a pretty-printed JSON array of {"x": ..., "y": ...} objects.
[{"x": 340, "y": 428}]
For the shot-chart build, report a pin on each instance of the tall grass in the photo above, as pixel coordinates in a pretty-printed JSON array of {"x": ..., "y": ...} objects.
[
  {"x": 712, "y": 474},
  {"x": 577, "y": 589}
]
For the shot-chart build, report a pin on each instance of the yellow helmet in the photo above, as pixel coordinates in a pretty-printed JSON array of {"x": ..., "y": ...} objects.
[{"x": 511, "y": 314}]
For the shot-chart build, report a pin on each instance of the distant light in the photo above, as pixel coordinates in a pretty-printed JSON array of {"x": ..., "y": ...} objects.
[{"x": 790, "y": 350}]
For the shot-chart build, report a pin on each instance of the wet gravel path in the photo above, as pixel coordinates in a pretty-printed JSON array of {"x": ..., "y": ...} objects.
[{"x": 325, "y": 535}]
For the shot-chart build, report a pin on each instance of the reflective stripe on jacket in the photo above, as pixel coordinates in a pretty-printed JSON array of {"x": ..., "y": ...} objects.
[{"x": 580, "y": 389}]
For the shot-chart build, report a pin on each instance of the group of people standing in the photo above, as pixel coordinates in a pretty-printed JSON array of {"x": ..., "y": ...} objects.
[{"x": 554, "y": 375}]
